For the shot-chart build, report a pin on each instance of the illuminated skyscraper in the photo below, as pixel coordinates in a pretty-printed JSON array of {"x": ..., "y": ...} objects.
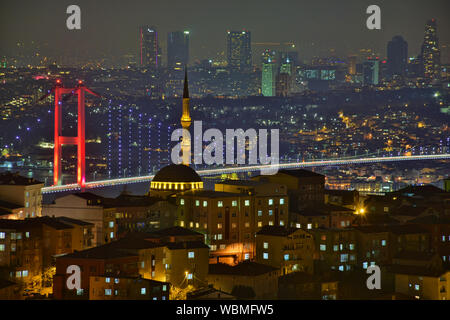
[
  {"x": 239, "y": 51},
  {"x": 352, "y": 60},
  {"x": 397, "y": 56},
  {"x": 268, "y": 79},
  {"x": 431, "y": 57},
  {"x": 177, "y": 50},
  {"x": 148, "y": 47},
  {"x": 371, "y": 71}
]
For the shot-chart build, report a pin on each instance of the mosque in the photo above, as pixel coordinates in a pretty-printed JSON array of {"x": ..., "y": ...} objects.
[{"x": 176, "y": 178}]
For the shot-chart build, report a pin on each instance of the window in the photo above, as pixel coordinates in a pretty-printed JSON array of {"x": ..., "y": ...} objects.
[
  {"x": 116, "y": 292},
  {"x": 259, "y": 224},
  {"x": 259, "y": 213},
  {"x": 220, "y": 204},
  {"x": 265, "y": 245},
  {"x": 191, "y": 254},
  {"x": 189, "y": 276},
  {"x": 182, "y": 202},
  {"x": 364, "y": 265},
  {"x": 265, "y": 256},
  {"x": 247, "y": 224},
  {"x": 270, "y": 212},
  {"x": 281, "y": 223},
  {"x": 27, "y": 234},
  {"x": 111, "y": 224},
  {"x": 164, "y": 287},
  {"x": 352, "y": 246},
  {"x": 344, "y": 257},
  {"x": 342, "y": 223},
  {"x": 2, "y": 247},
  {"x": 25, "y": 273},
  {"x": 223, "y": 246},
  {"x": 246, "y": 256},
  {"x": 197, "y": 203},
  {"x": 219, "y": 226},
  {"x": 323, "y": 237},
  {"x": 116, "y": 280},
  {"x": 143, "y": 291},
  {"x": 80, "y": 292},
  {"x": 286, "y": 257},
  {"x": 270, "y": 202},
  {"x": 142, "y": 264},
  {"x": 108, "y": 292},
  {"x": 247, "y": 203},
  {"x": 309, "y": 226},
  {"x": 341, "y": 268},
  {"x": 219, "y": 236},
  {"x": 205, "y": 203},
  {"x": 383, "y": 243},
  {"x": 234, "y": 203},
  {"x": 111, "y": 235},
  {"x": 2, "y": 235},
  {"x": 323, "y": 247},
  {"x": 107, "y": 280},
  {"x": 281, "y": 200},
  {"x": 417, "y": 287},
  {"x": 298, "y": 226},
  {"x": 270, "y": 223},
  {"x": 443, "y": 238}
]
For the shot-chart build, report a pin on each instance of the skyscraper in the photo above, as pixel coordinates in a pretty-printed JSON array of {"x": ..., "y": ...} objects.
[
  {"x": 239, "y": 51},
  {"x": 268, "y": 79},
  {"x": 177, "y": 50},
  {"x": 371, "y": 71},
  {"x": 148, "y": 47},
  {"x": 431, "y": 57},
  {"x": 397, "y": 56}
]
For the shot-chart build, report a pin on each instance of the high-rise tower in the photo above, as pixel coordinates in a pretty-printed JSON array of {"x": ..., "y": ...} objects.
[
  {"x": 186, "y": 123},
  {"x": 397, "y": 56},
  {"x": 239, "y": 51},
  {"x": 177, "y": 50},
  {"x": 431, "y": 56},
  {"x": 148, "y": 47}
]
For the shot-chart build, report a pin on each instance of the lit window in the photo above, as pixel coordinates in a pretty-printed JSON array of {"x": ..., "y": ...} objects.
[
  {"x": 205, "y": 203},
  {"x": 108, "y": 292},
  {"x": 344, "y": 257},
  {"x": 25, "y": 273},
  {"x": 352, "y": 246},
  {"x": 18, "y": 274},
  {"x": 281, "y": 200},
  {"x": 143, "y": 291},
  {"x": 27, "y": 234},
  {"x": 309, "y": 226},
  {"x": 234, "y": 203},
  {"x": 197, "y": 225},
  {"x": 164, "y": 287},
  {"x": 116, "y": 280},
  {"x": 270, "y": 212},
  {"x": 270, "y": 202},
  {"x": 341, "y": 268},
  {"x": 181, "y": 201},
  {"x": 270, "y": 223},
  {"x": 247, "y": 224},
  {"x": 246, "y": 256},
  {"x": 259, "y": 213},
  {"x": 197, "y": 203},
  {"x": 107, "y": 280},
  {"x": 111, "y": 235},
  {"x": 219, "y": 236},
  {"x": 111, "y": 224},
  {"x": 298, "y": 226},
  {"x": 266, "y": 245},
  {"x": 2, "y": 247},
  {"x": 281, "y": 223},
  {"x": 219, "y": 226},
  {"x": 155, "y": 298},
  {"x": 247, "y": 203},
  {"x": 417, "y": 287},
  {"x": 181, "y": 223},
  {"x": 365, "y": 265},
  {"x": 383, "y": 243},
  {"x": 265, "y": 256},
  {"x": 259, "y": 224},
  {"x": 191, "y": 224},
  {"x": 2, "y": 235},
  {"x": 191, "y": 254},
  {"x": 443, "y": 238},
  {"x": 190, "y": 276},
  {"x": 286, "y": 257},
  {"x": 323, "y": 247},
  {"x": 223, "y": 246},
  {"x": 220, "y": 204},
  {"x": 80, "y": 292}
]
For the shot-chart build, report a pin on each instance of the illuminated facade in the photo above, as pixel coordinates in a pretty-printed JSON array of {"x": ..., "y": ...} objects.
[
  {"x": 431, "y": 56},
  {"x": 268, "y": 79},
  {"x": 148, "y": 47},
  {"x": 239, "y": 51}
]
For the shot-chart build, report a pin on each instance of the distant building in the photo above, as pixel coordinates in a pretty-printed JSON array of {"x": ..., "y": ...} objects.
[
  {"x": 21, "y": 196},
  {"x": 268, "y": 79},
  {"x": 149, "y": 52},
  {"x": 431, "y": 54},
  {"x": 177, "y": 50},
  {"x": 304, "y": 286},
  {"x": 397, "y": 56},
  {"x": 239, "y": 51},
  {"x": 371, "y": 72}
]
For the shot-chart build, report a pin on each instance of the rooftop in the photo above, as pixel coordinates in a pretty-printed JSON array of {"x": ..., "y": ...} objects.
[
  {"x": 246, "y": 268},
  {"x": 10, "y": 178}
]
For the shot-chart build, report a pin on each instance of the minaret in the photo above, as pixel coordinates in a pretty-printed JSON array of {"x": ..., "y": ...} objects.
[{"x": 186, "y": 123}]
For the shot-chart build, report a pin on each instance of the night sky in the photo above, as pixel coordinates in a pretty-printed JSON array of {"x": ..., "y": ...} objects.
[{"x": 111, "y": 26}]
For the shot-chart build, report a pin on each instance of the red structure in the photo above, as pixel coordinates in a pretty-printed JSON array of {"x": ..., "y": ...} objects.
[{"x": 79, "y": 140}]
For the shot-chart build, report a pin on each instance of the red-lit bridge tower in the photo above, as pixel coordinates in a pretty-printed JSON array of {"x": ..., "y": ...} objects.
[{"x": 79, "y": 140}]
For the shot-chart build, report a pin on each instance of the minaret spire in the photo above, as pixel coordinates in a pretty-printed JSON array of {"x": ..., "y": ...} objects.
[{"x": 186, "y": 123}]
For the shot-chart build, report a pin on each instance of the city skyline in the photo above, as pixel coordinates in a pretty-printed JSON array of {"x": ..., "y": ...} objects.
[{"x": 113, "y": 31}]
